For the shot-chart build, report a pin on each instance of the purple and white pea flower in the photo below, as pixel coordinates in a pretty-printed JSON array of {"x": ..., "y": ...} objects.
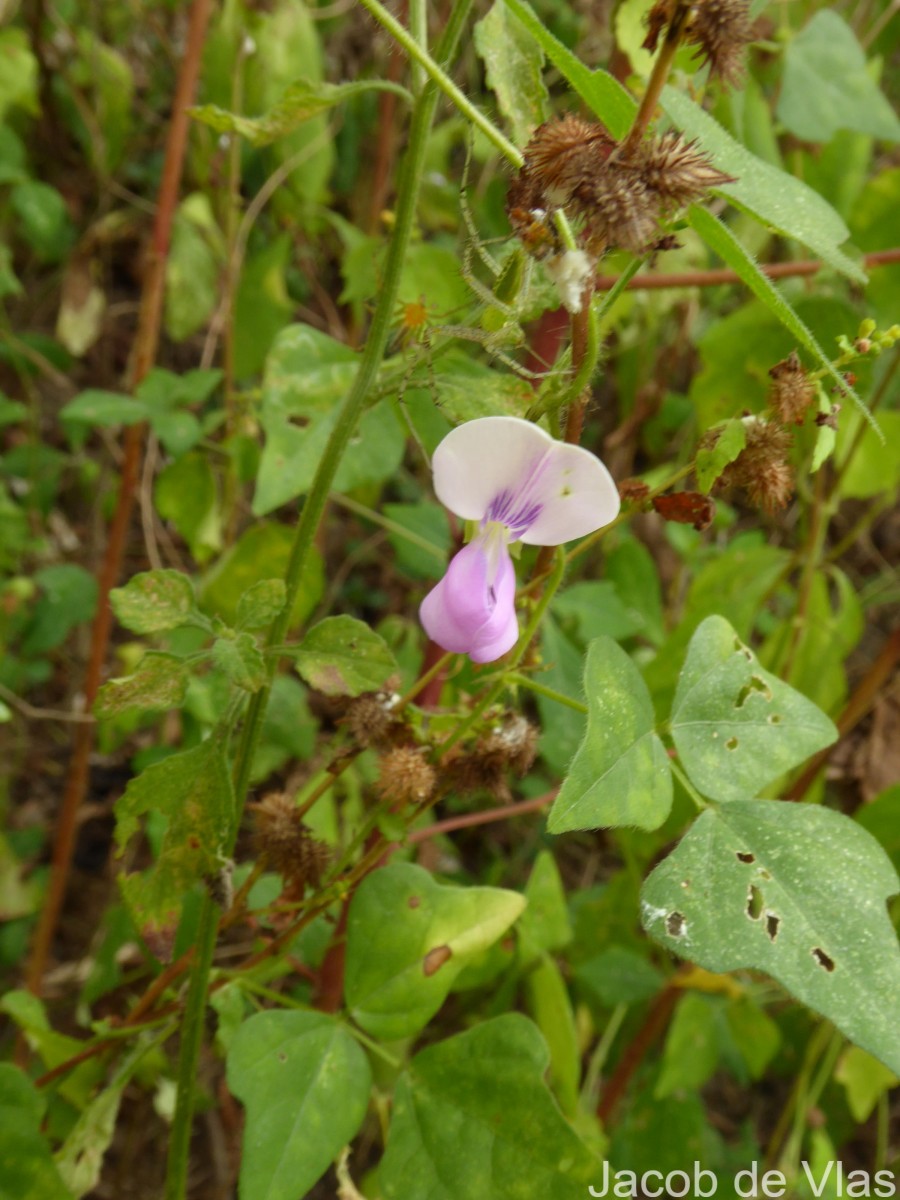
[{"x": 519, "y": 484}]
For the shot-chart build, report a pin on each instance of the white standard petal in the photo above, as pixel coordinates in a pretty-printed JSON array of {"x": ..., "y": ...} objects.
[
  {"x": 571, "y": 495},
  {"x": 481, "y": 459}
]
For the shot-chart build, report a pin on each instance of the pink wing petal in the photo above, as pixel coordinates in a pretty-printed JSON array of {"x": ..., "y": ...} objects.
[{"x": 469, "y": 612}]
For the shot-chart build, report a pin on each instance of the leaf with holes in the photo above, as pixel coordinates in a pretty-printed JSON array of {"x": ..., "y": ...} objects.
[
  {"x": 193, "y": 791},
  {"x": 621, "y": 773},
  {"x": 735, "y": 726},
  {"x": 154, "y": 601},
  {"x": 160, "y": 682},
  {"x": 344, "y": 657},
  {"x": 473, "y": 1119},
  {"x": 305, "y": 1085},
  {"x": 407, "y": 940},
  {"x": 797, "y": 891}
]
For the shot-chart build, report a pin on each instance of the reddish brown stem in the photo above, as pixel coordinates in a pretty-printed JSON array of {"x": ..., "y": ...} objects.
[
  {"x": 143, "y": 357},
  {"x": 712, "y": 278},
  {"x": 484, "y": 817},
  {"x": 654, "y": 1024}
]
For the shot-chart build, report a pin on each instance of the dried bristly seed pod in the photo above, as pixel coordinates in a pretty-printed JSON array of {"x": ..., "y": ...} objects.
[
  {"x": 762, "y": 468},
  {"x": 656, "y": 20},
  {"x": 370, "y": 717},
  {"x": 791, "y": 391},
  {"x": 286, "y": 844},
  {"x": 562, "y": 153},
  {"x": 405, "y": 776},
  {"x": 722, "y": 30},
  {"x": 676, "y": 170},
  {"x": 620, "y": 210},
  {"x": 514, "y": 741}
]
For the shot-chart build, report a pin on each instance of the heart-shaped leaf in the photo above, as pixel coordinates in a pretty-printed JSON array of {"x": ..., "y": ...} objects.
[{"x": 795, "y": 890}]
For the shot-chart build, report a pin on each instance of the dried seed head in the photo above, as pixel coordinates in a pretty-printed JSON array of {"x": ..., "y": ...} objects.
[
  {"x": 405, "y": 776},
  {"x": 564, "y": 152},
  {"x": 514, "y": 742},
  {"x": 370, "y": 717},
  {"x": 620, "y": 210},
  {"x": 677, "y": 171},
  {"x": 762, "y": 468},
  {"x": 791, "y": 391},
  {"x": 722, "y": 30},
  {"x": 286, "y": 844}
]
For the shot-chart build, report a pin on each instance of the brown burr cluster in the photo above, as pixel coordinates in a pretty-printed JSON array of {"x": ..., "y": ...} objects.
[
  {"x": 287, "y": 845},
  {"x": 720, "y": 29},
  {"x": 621, "y": 194}
]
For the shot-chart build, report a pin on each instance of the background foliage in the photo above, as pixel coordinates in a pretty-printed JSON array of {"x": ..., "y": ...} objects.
[{"x": 653, "y": 917}]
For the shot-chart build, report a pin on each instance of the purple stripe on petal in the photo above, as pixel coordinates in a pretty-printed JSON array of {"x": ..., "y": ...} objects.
[{"x": 472, "y": 610}]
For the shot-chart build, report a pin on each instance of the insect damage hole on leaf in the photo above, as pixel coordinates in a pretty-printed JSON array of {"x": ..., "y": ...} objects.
[
  {"x": 754, "y": 903},
  {"x": 772, "y": 923},
  {"x": 823, "y": 959},
  {"x": 676, "y": 925},
  {"x": 435, "y": 959},
  {"x": 745, "y": 856},
  {"x": 732, "y": 743},
  {"x": 756, "y": 685}
]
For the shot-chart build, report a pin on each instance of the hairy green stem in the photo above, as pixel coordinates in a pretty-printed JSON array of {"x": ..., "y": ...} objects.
[
  {"x": 189, "y": 1056},
  {"x": 442, "y": 80},
  {"x": 541, "y": 689},
  {"x": 307, "y": 526}
]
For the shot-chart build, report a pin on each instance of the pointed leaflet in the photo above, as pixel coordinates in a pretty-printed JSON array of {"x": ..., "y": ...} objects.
[
  {"x": 343, "y": 657},
  {"x": 305, "y": 1085},
  {"x": 407, "y": 940},
  {"x": 735, "y": 726},
  {"x": 797, "y": 891},
  {"x": 474, "y": 1120},
  {"x": 621, "y": 774},
  {"x": 193, "y": 791}
]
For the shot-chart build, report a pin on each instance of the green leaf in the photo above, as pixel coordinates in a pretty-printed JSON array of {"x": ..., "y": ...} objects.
[
  {"x": 720, "y": 238},
  {"x": 598, "y": 89},
  {"x": 597, "y": 610},
  {"x": 865, "y": 1081},
  {"x": 80, "y": 1159},
  {"x": 239, "y": 657},
  {"x": 344, "y": 657},
  {"x": 193, "y": 267},
  {"x": 551, "y": 1007},
  {"x": 474, "y": 1120},
  {"x": 621, "y": 774},
  {"x": 28, "y": 1171},
  {"x": 691, "y": 1052},
  {"x": 794, "y": 890},
  {"x": 407, "y": 940},
  {"x": 544, "y": 924},
  {"x": 305, "y": 1085},
  {"x": 301, "y": 101},
  {"x": 260, "y": 553},
  {"x": 44, "y": 219},
  {"x": 186, "y": 494},
  {"x": 18, "y": 73},
  {"x": 619, "y": 976},
  {"x": 154, "y": 601},
  {"x": 775, "y": 198},
  {"x": 710, "y": 464},
  {"x": 874, "y": 467},
  {"x": 735, "y": 726},
  {"x": 193, "y": 791},
  {"x": 513, "y": 64},
  {"x": 96, "y": 407},
  {"x": 160, "y": 682},
  {"x": 261, "y": 604},
  {"x": 307, "y": 375},
  {"x": 69, "y": 596},
  {"x": 826, "y": 85}
]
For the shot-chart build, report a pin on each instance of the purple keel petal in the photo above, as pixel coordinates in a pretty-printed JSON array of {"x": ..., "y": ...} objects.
[{"x": 472, "y": 610}]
